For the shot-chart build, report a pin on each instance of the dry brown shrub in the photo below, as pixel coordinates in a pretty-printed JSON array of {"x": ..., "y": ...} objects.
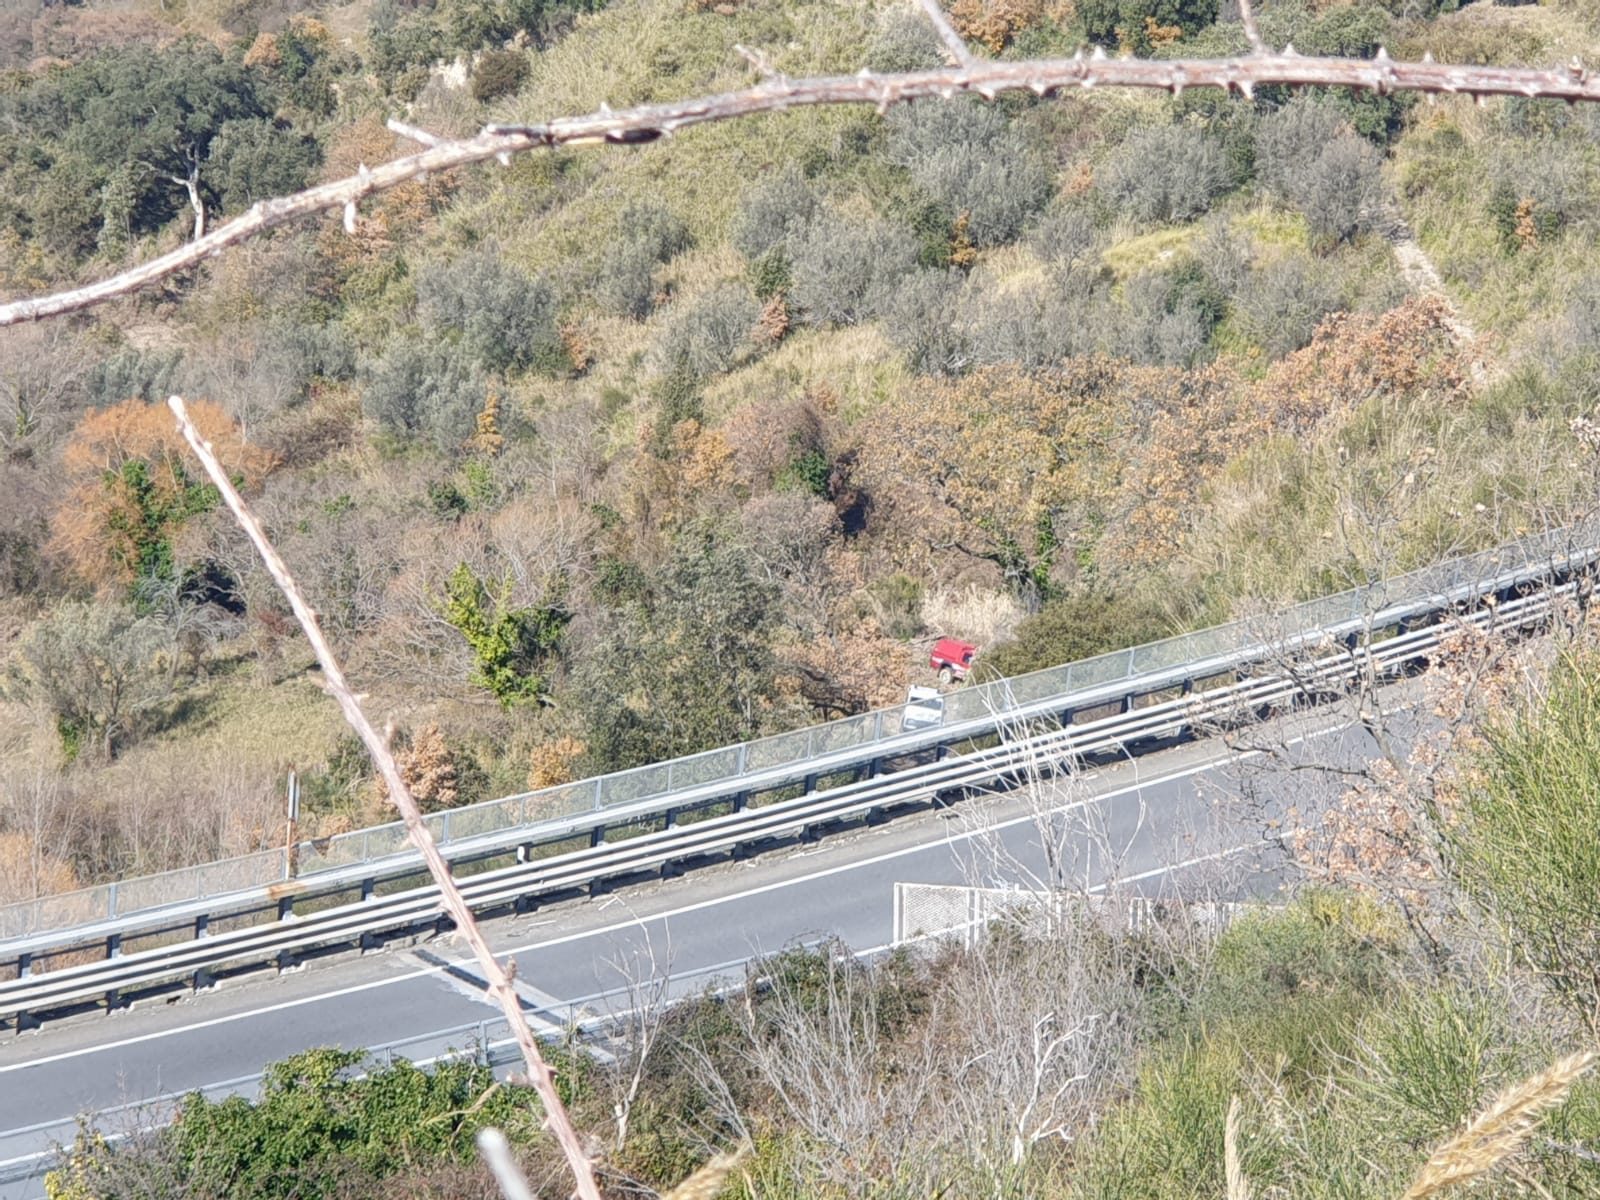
[
  {"x": 26, "y": 872},
  {"x": 555, "y": 762},
  {"x": 766, "y": 434},
  {"x": 264, "y": 52},
  {"x": 101, "y": 525},
  {"x": 994, "y": 22},
  {"x": 774, "y": 321},
  {"x": 429, "y": 767},
  {"x": 1355, "y": 356},
  {"x": 845, "y": 673}
]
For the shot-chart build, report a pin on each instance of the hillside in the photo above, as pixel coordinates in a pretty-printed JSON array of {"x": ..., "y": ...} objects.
[{"x": 617, "y": 453}]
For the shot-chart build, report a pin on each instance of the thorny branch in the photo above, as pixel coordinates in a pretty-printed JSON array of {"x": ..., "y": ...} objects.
[
  {"x": 777, "y": 93},
  {"x": 497, "y": 977}
]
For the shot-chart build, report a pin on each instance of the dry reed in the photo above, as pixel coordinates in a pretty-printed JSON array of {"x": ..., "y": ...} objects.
[{"x": 1499, "y": 1131}]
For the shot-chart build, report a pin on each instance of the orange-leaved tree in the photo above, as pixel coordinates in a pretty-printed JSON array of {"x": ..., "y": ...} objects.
[{"x": 130, "y": 486}]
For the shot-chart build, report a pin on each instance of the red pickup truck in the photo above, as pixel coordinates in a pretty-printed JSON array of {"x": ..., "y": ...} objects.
[{"x": 952, "y": 659}]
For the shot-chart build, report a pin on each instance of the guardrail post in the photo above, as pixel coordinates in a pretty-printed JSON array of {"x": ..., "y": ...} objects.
[
  {"x": 202, "y": 925},
  {"x": 741, "y": 801},
  {"x": 671, "y": 819},
  {"x": 285, "y": 907},
  {"x": 444, "y": 832},
  {"x": 24, "y": 965},
  {"x": 369, "y": 887},
  {"x": 111, "y": 900},
  {"x": 810, "y": 783},
  {"x": 739, "y": 766},
  {"x": 114, "y": 946},
  {"x": 597, "y": 781},
  {"x": 483, "y": 1043},
  {"x": 597, "y": 835}
]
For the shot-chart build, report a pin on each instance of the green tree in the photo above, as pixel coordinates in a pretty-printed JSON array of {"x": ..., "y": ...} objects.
[
  {"x": 133, "y": 133},
  {"x": 512, "y": 646},
  {"x": 686, "y": 663},
  {"x": 101, "y": 672}
]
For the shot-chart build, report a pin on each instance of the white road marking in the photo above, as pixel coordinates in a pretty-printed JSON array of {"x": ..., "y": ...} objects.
[{"x": 634, "y": 922}]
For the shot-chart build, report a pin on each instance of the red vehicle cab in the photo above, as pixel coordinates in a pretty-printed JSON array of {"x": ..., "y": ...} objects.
[{"x": 952, "y": 659}]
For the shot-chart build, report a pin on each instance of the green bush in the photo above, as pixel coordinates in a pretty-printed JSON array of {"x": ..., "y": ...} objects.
[
  {"x": 1039, "y": 324},
  {"x": 501, "y": 318},
  {"x": 424, "y": 389},
  {"x": 1522, "y": 841},
  {"x": 905, "y": 41},
  {"x": 511, "y": 646},
  {"x": 686, "y": 665},
  {"x": 1065, "y": 236},
  {"x": 1167, "y": 317},
  {"x": 1072, "y": 628},
  {"x": 498, "y": 73},
  {"x": 1113, "y": 22},
  {"x": 845, "y": 270},
  {"x": 102, "y": 673},
  {"x": 774, "y": 214},
  {"x": 969, "y": 161},
  {"x": 1165, "y": 173},
  {"x": 1308, "y": 154},
  {"x": 315, "y": 1121},
  {"x": 708, "y": 334},
  {"x": 258, "y": 159},
  {"x": 922, "y": 318},
  {"x": 649, "y": 236},
  {"x": 1282, "y": 304}
]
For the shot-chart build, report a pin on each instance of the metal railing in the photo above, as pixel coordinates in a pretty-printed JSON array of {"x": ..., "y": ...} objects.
[{"x": 1533, "y": 557}]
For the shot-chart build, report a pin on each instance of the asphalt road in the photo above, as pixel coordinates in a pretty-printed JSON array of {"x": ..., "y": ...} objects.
[{"x": 1190, "y": 821}]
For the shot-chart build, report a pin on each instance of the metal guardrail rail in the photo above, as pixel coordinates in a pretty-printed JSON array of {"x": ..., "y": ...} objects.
[
  {"x": 1032, "y": 739},
  {"x": 793, "y": 757}
]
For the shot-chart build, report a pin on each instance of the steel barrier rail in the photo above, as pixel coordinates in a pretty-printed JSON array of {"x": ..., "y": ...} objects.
[
  {"x": 192, "y": 920},
  {"x": 362, "y": 922},
  {"x": 751, "y": 766}
]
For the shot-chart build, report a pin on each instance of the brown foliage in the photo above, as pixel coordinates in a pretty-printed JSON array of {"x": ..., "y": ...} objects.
[
  {"x": 264, "y": 52},
  {"x": 99, "y": 527},
  {"x": 555, "y": 762},
  {"x": 26, "y": 872},
  {"x": 774, "y": 321},
  {"x": 851, "y": 672},
  {"x": 989, "y": 463},
  {"x": 994, "y": 22},
  {"x": 1355, "y": 356},
  {"x": 765, "y": 435},
  {"x": 430, "y": 769}
]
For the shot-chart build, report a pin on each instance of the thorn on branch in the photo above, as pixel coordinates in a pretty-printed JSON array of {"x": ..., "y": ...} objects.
[
  {"x": 757, "y": 59},
  {"x": 947, "y": 34},
  {"x": 416, "y": 135}
]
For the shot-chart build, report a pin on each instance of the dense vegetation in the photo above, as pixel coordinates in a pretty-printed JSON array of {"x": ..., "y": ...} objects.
[
  {"x": 564, "y": 450},
  {"x": 613, "y": 454}
]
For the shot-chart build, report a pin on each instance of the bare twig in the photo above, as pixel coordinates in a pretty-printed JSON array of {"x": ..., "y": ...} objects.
[
  {"x": 650, "y": 122},
  {"x": 1247, "y": 17},
  {"x": 1238, "y": 1185},
  {"x": 959, "y": 54},
  {"x": 497, "y": 977},
  {"x": 496, "y": 1152}
]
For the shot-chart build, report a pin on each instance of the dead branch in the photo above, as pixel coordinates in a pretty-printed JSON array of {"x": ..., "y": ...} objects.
[
  {"x": 377, "y": 744},
  {"x": 647, "y": 123}
]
